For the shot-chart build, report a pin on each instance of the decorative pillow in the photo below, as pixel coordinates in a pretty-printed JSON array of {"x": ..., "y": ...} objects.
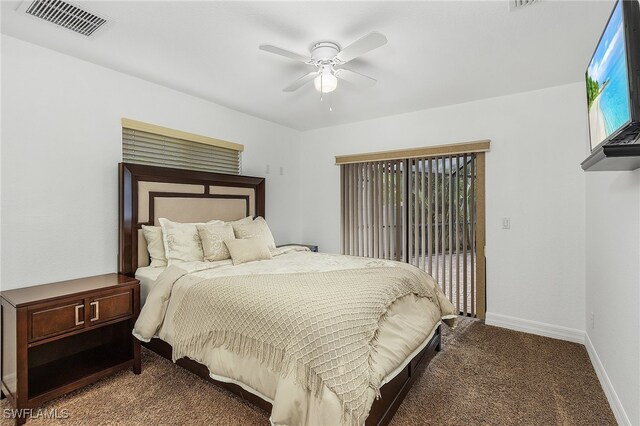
[
  {"x": 155, "y": 245},
  {"x": 181, "y": 241},
  {"x": 213, "y": 236},
  {"x": 247, "y": 219},
  {"x": 257, "y": 228},
  {"x": 248, "y": 250}
]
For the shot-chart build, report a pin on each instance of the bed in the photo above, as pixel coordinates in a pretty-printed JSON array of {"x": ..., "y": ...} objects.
[{"x": 405, "y": 338}]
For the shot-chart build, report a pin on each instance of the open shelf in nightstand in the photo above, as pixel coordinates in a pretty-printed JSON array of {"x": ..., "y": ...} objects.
[{"x": 64, "y": 362}]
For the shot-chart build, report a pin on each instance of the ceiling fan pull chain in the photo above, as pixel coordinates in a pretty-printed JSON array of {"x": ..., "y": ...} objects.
[{"x": 330, "y": 101}]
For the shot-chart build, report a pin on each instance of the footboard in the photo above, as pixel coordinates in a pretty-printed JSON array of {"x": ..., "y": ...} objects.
[
  {"x": 382, "y": 410},
  {"x": 393, "y": 392}
]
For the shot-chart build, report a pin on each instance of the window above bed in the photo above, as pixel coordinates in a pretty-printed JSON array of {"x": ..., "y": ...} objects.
[{"x": 149, "y": 144}]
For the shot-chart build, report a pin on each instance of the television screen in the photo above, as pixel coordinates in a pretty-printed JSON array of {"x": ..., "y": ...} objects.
[{"x": 607, "y": 82}]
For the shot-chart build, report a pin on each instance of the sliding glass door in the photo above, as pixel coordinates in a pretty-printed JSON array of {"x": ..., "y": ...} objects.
[{"x": 427, "y": 211}]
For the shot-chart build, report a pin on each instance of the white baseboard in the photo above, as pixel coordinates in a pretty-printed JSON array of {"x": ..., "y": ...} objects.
[
  {"x": 616, "y": 406},
  {"x": 535, "y": 327}
]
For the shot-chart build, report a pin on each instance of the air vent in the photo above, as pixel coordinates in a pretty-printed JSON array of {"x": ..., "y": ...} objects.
[
  {"x": 65, "y": 15},
  {"x": 520, "y": 4}
]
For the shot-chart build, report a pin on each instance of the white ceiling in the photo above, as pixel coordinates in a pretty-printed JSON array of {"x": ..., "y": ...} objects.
[{"x": 439, "y": 53}]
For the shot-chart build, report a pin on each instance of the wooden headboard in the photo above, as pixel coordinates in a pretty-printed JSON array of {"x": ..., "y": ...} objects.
[{"x": 147, "y": 193}]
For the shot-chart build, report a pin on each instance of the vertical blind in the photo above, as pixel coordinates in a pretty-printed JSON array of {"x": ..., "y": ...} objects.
[
  {"x": 158, "y": 149},
  {"x": 441, "y": 205},
  {"x": 422, "y": 211},
  {"x": 373, "y": 219}
]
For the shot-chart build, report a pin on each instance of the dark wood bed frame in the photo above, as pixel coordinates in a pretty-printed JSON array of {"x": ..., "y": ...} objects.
[{"x": 392, "y": 393}]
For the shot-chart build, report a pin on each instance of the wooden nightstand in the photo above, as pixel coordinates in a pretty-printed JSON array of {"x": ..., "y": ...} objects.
[
  {"x": 309, "y": 246},
  {"x": 61, "y": 336}
]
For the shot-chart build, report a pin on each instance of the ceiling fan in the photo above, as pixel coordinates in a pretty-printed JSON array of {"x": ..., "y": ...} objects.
[{"x": 328, "y": 59}]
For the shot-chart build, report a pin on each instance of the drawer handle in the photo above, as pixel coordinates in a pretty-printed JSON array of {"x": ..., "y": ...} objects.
[
  {"x": 97, "y": 305},
  {"x": 78, "y": 322}
]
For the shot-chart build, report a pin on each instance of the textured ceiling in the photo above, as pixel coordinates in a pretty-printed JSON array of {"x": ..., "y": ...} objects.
[{"x": 439, "y": 53}]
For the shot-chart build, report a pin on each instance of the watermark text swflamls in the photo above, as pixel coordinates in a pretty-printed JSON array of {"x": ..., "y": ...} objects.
[{"x": 40, "y": 413}]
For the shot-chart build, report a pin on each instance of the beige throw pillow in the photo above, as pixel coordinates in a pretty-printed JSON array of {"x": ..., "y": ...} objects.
[
  {"x": 181, "y": 241},
  {"x": 155, "y": 245},
  {"x": 248, "y": 250},
  {"x": 257, "y": 228},
  {"x": 247, "y": 219},
  {"x": 213, "y": 236}
]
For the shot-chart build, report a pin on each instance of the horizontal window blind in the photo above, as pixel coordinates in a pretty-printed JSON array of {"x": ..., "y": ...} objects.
[{"x": 142, "y": 147}]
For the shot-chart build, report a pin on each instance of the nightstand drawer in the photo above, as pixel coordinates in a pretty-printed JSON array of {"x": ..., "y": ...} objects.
[
  {"x": 110, "y": 306},
  {"x": 54, "y": 319}
]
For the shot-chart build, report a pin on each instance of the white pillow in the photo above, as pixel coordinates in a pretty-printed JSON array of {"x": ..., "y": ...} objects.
[
  {"x": 247, "y": 219},
  {"x": 181, "y": 241},
  {"x": 248, "y": 250},
  {"x": 257, "y": 228},
  {"x": 155, "y": 245},
  {"x": 213, "y": 236}
]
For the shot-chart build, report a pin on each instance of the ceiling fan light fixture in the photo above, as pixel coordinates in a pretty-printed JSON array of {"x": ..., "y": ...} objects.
[
  {"x": 328, "y": 58},
  {"x": 325, "y": 82}
]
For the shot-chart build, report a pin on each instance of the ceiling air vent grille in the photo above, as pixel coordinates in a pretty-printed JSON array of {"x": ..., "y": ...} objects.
[
  {"x": 65, "y": 15},
  {"x": 520, "y": 4}
]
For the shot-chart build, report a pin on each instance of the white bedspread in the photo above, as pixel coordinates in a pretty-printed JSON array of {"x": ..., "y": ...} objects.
[
  {"x": 147, "y": 276},
  {"x": 409, "y": 324}
]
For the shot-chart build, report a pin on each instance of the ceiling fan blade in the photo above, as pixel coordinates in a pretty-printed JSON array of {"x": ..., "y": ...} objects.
[
  {"x": 283, "y": 52},
  {"x": 356, "y": 78},
  {"x": 300, "y": 82},
  {"x": 367, "y": 43}
]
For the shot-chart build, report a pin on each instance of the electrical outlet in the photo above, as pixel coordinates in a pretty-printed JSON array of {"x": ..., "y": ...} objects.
[
  {"x": 593, "y": 320},
  {"x": 506, "y": 223},
  {"x": 268, "y": 169},
  {"x": 281, "y": 171}
]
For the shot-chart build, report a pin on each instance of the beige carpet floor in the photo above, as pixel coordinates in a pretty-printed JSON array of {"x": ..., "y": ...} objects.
[{"x": 483, "y": 376}]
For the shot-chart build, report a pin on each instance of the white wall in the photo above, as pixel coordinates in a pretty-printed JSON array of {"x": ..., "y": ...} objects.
[
  {"x": 535, "y": 270},
  {"x": 613, "y": 287},
  {"x": 61, "y": 143}
]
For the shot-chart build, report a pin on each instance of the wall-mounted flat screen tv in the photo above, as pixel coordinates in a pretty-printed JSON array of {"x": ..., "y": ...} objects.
[{"x": 613, "y": 79}]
